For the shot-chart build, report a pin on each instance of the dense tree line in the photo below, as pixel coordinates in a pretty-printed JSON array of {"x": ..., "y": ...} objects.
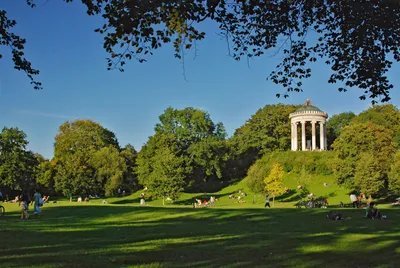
[{"x": 190, "y": 152}]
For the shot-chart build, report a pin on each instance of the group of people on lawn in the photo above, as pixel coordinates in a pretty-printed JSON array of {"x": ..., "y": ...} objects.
[
  {"x": 38, "y": 201},
  {"x": 371, "y": 212},
  {"x": 204, "y": 203},
  {"x": 24, "y": 200}
]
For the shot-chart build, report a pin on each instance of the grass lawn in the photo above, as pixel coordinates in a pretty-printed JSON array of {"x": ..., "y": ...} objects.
[
  {"x": 125, "y": 235},
  {"x": 333, "y": 193}
]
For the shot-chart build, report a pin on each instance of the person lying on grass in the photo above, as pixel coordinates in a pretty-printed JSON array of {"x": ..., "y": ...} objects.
[{"x": 332, "y": 215}]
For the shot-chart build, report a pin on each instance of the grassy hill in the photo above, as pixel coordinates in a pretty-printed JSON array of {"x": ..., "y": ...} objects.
[{"x": 315, "y": 185}]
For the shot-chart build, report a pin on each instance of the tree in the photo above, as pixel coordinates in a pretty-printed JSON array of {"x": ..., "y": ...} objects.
[
  {"x": 46, "y": 174},
  {"x": 394, "y": 175},
  {"x": 255, "y": 179},
  {"x": 110, "y": 168},
  {"x": 369, "y": 177},
  {"x": 266, "y": 131},
  {"x": 336, "y": 124},
  {"x": 386, "y": 115},
  {"x": 189, "y": 125},
  {"x": 357, "y": 39},
  {"x": 130, "y": 180},
  {"x": 82, "y": 136},
  {"x": 17, "y": 164},
  {"x": 74, "y": 175},
  {"x": 76, "y": 143},
  {"x": 17, "y": 46},
  {"x": 274, "y": 183},
  {"x": 354, "y": 149},
  {"x": 210, "y": 154},
  {"x": 161, "y": 167},
  {"x": 200, "y": 141}
]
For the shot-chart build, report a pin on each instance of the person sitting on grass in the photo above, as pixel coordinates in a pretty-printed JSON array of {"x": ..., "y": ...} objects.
[
  {"x": 199, "y": 203},
  {"x": 371, "y": 212}
]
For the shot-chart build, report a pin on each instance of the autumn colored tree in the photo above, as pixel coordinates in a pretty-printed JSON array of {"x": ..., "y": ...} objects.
[{"x": 274, "y": 183}]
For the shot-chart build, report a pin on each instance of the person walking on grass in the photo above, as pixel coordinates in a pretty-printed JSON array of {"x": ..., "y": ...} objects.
[
  {"x": 24, "y": 203},
  {"x": 267, "y": 202},
  {"x": 38, "y": 202}
]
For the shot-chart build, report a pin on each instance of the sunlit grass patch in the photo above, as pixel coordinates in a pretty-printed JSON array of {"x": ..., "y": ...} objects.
[{"x": 87, "y": 235}]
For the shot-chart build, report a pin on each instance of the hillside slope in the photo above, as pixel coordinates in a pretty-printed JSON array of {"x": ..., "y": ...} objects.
[{"x": 315, "y": 185}]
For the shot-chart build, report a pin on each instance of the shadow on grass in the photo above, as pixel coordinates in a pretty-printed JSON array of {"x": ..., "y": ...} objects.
[
  {"x": 115, "y": 236},
  {"x": 289, "y": 196},
  {"x": 189, "y": 201},
  {"x": 131, "y": 200}
]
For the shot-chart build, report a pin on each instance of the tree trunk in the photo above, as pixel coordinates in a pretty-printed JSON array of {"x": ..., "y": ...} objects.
[
  {"x": 70, "y": 198},
  {"x": 273, "y": 201},
  {"x": 163, "y": 201},
  {"x": 254, "y": 198}
]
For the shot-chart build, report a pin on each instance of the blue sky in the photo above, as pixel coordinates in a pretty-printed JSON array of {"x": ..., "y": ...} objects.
[{"x": 77, "y": 85}]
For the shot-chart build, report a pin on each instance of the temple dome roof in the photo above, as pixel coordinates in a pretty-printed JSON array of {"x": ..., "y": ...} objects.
[
  {"x": 307, "y": 110},
  {"x": 308, "y": 107}
]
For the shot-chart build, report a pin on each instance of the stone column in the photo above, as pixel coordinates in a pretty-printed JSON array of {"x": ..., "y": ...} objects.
[
  {"x": 314, "y": 140},
  {"x": 303, "y": 135},
  {"x": 325, "y": 139},
  {"x": 292, "y": 136},
  {"x": 296, "y": 146},
  {"x": 321, "y": 136}
]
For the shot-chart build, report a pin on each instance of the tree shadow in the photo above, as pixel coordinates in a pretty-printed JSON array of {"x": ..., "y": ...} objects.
[
  {"x": 116, "y": 236},
  {"x": 191, "y": 200},
  {"x": 131, "y": 200},
  {"x": 289, "y": 196}
]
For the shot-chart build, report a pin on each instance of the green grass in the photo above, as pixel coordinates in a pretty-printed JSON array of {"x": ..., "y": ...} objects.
[
  {"x": 315, "y": 184},
  {"x": 232, "y": 234},
  {"x": 97, "y": 235}
]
